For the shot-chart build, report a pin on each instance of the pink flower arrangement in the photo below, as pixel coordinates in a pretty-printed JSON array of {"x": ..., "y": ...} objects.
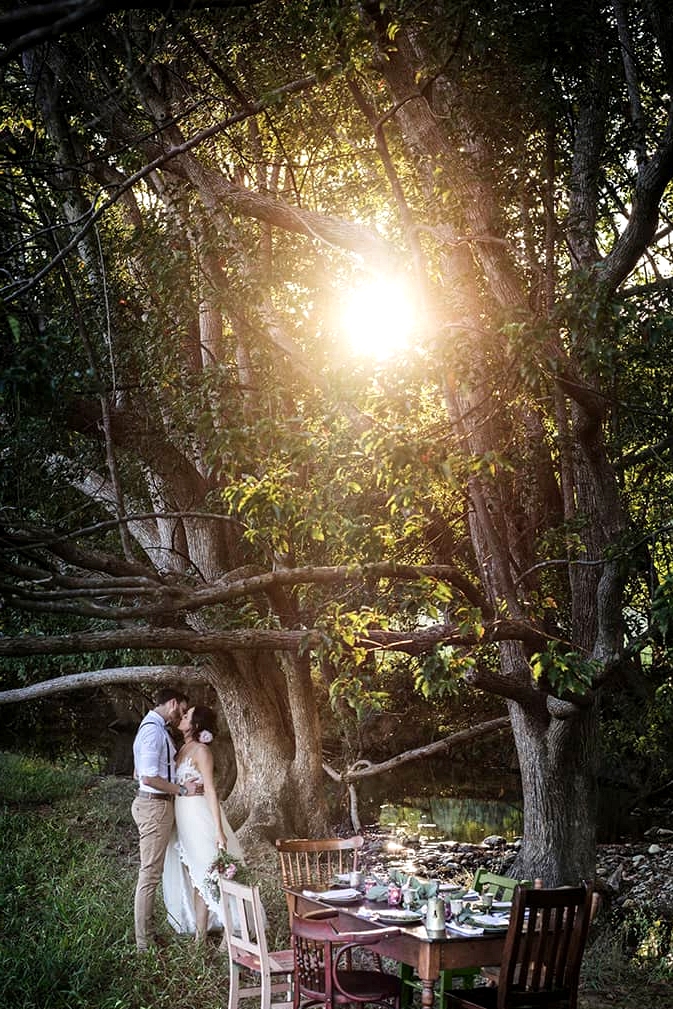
[{"x": 225, "y": 866}]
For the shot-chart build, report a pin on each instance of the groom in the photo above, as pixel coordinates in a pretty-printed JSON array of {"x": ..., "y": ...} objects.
[{"x": 152, "y": 809}]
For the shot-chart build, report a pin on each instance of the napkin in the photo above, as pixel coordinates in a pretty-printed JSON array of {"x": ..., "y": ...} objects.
[
  {"x": 340, "y": 894},
  {"x": 378, "y": 892},
  {"x": 464, "y": 929},
  {"x": 470, "y": 895}
]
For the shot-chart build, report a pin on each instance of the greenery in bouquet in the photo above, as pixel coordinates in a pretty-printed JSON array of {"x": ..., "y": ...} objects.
[{"x": 224, "y": 865}]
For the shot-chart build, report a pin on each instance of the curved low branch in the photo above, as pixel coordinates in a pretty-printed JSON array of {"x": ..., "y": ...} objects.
[
  {"x": 103, "y": 678},
  {"x": 356, "y": 773}
]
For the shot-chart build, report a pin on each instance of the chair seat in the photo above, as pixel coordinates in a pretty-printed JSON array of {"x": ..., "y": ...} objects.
[
  {"x": 280, "y": 961},
  {"x": 365, "y": 984},
  {"x": 362, "y": 984}
]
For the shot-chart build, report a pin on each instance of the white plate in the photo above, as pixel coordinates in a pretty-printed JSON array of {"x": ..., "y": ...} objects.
[
  {"x": 490, "y": 921},
  {"x": 464, "y": 929},
  {"x": 342, "y": 896}
]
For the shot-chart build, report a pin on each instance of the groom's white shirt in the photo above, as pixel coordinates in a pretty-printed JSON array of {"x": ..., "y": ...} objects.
[{"x": 153, "y": 751}]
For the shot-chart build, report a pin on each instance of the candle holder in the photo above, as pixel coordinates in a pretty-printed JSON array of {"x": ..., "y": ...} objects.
[{"x": 394, "y": 895}]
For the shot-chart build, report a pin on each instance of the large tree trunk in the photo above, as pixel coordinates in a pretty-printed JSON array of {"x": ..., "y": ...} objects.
[
  {"x": 275, "y": 732},
  {"x": 557, "y": 758}
]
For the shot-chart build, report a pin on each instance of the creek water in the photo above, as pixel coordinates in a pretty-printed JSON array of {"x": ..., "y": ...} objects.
[
  {"x": 467, "y": 804},
  {"x": 460, "y": 803},
  {"x": 460, "y": 819}
]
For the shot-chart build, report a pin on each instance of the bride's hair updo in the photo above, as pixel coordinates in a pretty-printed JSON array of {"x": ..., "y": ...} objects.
[{"x": 204, "y": 724}]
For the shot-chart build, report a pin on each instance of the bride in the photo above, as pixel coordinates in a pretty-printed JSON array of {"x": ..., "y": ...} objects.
[{"x": 201, "y": 828}]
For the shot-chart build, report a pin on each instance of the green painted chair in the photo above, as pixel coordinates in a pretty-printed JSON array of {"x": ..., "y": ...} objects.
[{"x": 502, "y": 888}]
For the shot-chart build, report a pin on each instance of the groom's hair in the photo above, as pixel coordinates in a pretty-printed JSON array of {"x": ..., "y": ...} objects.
[{"x": 166, "y": 694}]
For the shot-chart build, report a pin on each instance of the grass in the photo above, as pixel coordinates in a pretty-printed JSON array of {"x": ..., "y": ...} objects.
[
  {"x": 629, "y": 962},
  {"x": 68, "y": 852}
]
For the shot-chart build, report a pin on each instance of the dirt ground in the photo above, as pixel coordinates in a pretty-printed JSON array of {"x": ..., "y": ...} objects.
[{"x": 649, "y": 996}]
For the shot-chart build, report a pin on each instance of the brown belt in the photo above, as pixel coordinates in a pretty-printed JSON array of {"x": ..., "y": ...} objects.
[{"x": 163, "y": 796}]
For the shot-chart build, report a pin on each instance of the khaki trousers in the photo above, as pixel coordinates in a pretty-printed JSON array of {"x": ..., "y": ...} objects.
[{"x": 154, "y": 819}]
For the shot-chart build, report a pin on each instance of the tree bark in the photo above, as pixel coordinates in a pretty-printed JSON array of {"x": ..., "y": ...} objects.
[
  {"x": 277, "y": 744},
  {"x": 557, "y": 759}
]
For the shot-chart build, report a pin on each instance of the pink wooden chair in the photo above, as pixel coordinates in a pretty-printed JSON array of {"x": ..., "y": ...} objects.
[{"x": 245, "y": 937}]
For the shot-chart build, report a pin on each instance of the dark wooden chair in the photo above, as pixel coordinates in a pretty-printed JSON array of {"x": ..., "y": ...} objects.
[
  {"x": 543, "y": 953},
  {"x": 502, "y": 888},
  {"x": 329, "y": 970}
]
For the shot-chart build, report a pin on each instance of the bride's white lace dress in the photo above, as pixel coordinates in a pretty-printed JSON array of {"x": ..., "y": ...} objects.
[{"x": 191, "y": 851}]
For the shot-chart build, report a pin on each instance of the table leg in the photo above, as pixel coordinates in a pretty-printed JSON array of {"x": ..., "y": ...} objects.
[{"x": 428, "y": 994}]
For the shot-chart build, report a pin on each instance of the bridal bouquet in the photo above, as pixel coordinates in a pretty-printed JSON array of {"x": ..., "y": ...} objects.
[{"x": 223, "y": 865}]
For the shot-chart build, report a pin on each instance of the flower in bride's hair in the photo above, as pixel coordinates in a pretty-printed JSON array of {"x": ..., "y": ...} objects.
[{"x": 205, "y": 736}]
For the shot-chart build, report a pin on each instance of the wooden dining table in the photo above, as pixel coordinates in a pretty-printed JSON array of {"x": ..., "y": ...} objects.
[{"x": 410, "y": 944}]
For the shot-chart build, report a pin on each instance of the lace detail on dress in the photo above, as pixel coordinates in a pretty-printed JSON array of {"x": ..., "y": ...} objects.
[{"x": 187, "y": 771}]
